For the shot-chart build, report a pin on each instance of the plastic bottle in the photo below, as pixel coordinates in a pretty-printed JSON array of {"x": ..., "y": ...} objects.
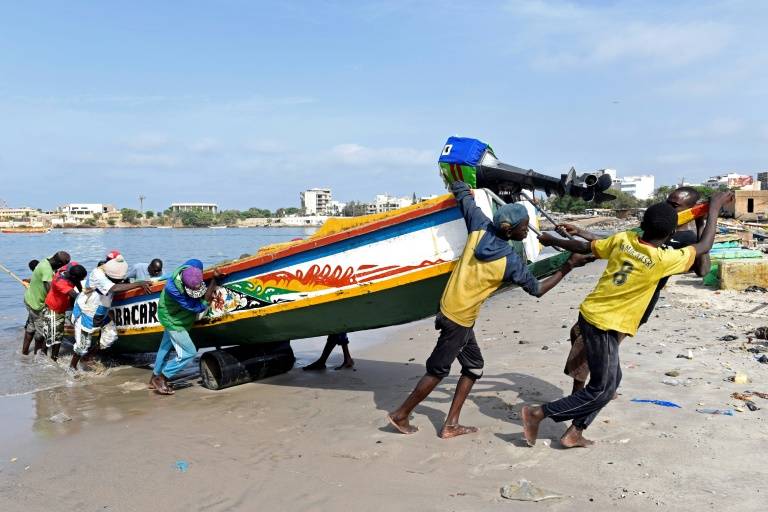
[{"x": 724, "y": 412}]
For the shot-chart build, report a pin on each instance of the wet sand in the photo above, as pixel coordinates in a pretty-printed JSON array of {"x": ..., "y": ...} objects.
[{"x": 320, "y": 441}]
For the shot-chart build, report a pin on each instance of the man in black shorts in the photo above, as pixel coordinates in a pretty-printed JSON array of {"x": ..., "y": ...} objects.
[
  {"x": 488, "y": 261},
  {"x": 680, "y": 199}
]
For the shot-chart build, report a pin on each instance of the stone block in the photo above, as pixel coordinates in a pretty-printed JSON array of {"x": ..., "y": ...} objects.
[{"x": 740, "y": 274}]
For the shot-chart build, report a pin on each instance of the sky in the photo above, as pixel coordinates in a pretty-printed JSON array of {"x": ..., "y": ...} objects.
[{"x": 247, "y": 103}]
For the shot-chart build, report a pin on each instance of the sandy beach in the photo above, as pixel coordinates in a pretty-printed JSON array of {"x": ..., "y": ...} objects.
[{"x": 320, "y": 441}]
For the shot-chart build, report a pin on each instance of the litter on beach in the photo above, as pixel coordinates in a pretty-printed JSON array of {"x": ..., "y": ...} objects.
[
  {"x": 526, "y": 491},
  {"x": 662, "y": 403}
]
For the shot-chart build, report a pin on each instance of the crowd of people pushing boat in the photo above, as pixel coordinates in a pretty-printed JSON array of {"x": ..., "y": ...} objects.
[{"x": 639, "y": 262}]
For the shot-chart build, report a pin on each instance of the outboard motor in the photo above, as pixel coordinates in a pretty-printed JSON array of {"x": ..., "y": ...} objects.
[{"x": 474, "y": 162}]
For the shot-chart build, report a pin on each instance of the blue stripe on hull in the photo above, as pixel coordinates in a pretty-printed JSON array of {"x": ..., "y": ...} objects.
[{"x": 427, "y": 221}]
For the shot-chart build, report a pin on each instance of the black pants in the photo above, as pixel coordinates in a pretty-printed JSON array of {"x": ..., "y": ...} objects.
[
  {"x": 605, "y": 376},
  {"x": 455, "y": 342}
]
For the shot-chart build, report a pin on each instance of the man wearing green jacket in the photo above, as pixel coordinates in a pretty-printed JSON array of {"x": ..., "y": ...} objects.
[{"x": 184, "y": 297}]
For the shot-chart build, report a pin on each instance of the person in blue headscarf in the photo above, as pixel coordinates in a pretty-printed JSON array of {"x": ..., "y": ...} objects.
[
  {"x": 184, "y": 297},
  {"x": 488, "y": 261}
]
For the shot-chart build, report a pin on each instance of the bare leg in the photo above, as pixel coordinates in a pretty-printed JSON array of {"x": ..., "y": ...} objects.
[
  {"x": 26, "y": 344},
  {"x": 399, "y": 417},
  {"x": 55, "y": 351},
  {"x": 532, "y": 416},
  {"x": 573, "y": 438},
  {"x": 40, "y": 346},
  {"x": 75, "y": 360},
  {"x": 578, "y": 385},
  {"x": 320, "y": 363},
  {"x": 451, "y": 428},
  {"x": 348, "y": 361}
]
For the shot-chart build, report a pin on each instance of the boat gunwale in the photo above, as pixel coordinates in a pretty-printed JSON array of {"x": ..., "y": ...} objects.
[{"x": 305, "y": 245}]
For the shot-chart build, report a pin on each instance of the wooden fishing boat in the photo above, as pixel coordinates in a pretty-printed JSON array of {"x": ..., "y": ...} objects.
[
  {"x": 353, "y": 274},
  {"x": 25, "y": 229}
]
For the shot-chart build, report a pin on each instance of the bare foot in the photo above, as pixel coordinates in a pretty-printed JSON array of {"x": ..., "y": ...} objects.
[
  {"x": 162, "y": 386},
  {"x": 317, "y": 365},
  {"x": 155, "y": 382},
  {"x": 450, "y": 431},
  {"x": 573, "y": 438},
  {"x": 615, "y": 396},
  {"x": 402, "y": 426},
  {"x": 345, "y": 365},
  {"x": 532, "y": 416}
]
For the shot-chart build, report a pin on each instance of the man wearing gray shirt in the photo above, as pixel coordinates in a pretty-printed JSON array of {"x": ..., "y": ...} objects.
[{"x": 144, "y": 272}]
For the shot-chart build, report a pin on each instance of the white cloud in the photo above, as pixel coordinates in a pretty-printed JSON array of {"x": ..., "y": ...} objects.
[
  {"x": 717, "y": 128},
  {"x": 357, "y": 155},
  {"x": 560, "y": 35},
  {"x": 668, "y": 44}
]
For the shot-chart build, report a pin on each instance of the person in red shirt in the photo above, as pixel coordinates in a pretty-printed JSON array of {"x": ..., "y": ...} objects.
[{"x": 65, "y": 286}]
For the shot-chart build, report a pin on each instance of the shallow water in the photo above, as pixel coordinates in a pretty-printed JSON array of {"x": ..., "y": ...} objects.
[{"x": 34, "y": 390}]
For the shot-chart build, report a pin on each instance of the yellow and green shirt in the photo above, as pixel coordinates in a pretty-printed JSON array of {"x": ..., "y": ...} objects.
[
  {"x": 486, "y": 262},
  {"x": 628, "y": 283}
]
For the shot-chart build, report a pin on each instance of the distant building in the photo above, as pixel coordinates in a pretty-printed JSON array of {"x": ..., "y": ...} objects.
[
  {"x": 641, "y": 187},
  {"x": 188, "y": 207},
  {"x": 316, "y": 201},
  {"x": 386, "y": 203},
  {"x": 19, "y": 213},
  {"x": 610, "y": 172},
  {"x": 730, "y": 180},
  {"x": 85, "y": 210},
  {"x": 336, "y": 208},
  {"x": 751, "y": 204},
  {"x": 762, "y": 178}
]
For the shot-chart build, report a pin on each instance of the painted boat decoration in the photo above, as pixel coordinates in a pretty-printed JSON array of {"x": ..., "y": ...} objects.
[{"x": 353, "y": 274}]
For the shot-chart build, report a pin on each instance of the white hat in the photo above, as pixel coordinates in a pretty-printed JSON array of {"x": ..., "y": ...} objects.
[{"x": 116, "y": 268}]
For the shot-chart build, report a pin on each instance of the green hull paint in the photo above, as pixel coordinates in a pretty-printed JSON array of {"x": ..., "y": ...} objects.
[{"x": 394, "y": 306}]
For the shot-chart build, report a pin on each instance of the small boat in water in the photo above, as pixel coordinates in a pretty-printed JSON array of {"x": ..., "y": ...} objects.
[{"x": 25, "y": 229}]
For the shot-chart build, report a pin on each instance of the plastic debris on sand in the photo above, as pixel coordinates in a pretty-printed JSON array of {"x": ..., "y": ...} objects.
[
  {"x": 662, "y": 403},
  {"x": 526, "y": 491}
]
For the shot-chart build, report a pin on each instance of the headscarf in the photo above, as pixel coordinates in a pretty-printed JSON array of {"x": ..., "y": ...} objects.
[
  {"x": 512, "y": 214},
  {"x": 192, "y": 279},
  {"x": 116, "y": 268}
]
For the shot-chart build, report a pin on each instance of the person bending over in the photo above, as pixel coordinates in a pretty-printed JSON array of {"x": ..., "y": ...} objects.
[{"x": 488, "y": 261}]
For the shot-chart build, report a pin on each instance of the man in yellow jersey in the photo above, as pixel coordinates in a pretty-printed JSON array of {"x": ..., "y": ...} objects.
[
  {"x": 636, "y": 264},
  {"x": 488, "y": 261},
  {"x": 681, "y": 199}
]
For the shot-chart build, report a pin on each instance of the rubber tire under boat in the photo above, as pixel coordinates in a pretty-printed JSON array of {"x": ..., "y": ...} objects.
[{"x": 232, "y": 366}]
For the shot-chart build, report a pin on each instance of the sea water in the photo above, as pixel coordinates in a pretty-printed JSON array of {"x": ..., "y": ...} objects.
[{"x": 21, "y": 375}]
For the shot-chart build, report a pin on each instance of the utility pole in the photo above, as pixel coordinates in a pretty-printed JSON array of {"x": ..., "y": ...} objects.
[{"x": 141, "y": 202}]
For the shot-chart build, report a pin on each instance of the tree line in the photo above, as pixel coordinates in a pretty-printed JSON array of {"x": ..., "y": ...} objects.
[{"x": 199, "y": 218}]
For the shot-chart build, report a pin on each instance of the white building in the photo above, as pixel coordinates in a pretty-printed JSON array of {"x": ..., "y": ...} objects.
[
  {"x": 19, "y": 213},
  {"x": 188, "y": 207},
  {"x": 336, "y": 208},
  {"x": 641, "y": 187},
  {"x": 85, "y": 210},
  {"x": 316, "y": 201},
  {"x": 386, "y": 203}
]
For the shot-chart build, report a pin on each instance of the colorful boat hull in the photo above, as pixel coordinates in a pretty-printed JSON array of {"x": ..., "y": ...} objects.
[{"x": 386, "y": 271}]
